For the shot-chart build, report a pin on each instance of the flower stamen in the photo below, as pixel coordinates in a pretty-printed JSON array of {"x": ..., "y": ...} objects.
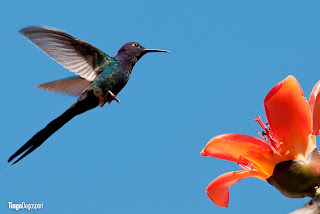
[
  {"x": 247, "y": 167},
  {"x": 270, "y": 138},
  {"x": 266, "y": 142}
]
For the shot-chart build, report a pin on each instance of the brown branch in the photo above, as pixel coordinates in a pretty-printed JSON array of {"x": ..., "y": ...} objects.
[{"x": 313, "y": 207}]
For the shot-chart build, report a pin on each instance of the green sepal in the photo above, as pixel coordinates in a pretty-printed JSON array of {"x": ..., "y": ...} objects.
[{"x": 297, "y": 178}]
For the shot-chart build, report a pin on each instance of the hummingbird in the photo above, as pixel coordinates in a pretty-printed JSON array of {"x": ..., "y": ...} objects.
[{"x": 100, "y": 76}]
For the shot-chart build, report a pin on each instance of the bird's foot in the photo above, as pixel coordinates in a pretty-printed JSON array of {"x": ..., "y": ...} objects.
[{"x": 110, "y": 97}]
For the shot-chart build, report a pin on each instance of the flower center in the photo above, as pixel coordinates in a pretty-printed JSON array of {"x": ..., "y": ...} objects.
[{"x": 268, "y": 137}]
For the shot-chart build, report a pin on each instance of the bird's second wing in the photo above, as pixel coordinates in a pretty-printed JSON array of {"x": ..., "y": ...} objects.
[
  {"x": 74, "y": 54},
  {"x": 71, "y": 85}
]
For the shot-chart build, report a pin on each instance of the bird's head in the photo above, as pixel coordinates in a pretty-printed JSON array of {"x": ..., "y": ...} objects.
[{"x": 131, "y": 52}]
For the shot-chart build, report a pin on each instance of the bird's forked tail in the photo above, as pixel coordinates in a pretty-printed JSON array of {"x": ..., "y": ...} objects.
[{"x": 85, "y": 102}]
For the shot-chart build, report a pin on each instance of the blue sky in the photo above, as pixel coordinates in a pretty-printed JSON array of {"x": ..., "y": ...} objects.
[{"x": 142, "y": 155}]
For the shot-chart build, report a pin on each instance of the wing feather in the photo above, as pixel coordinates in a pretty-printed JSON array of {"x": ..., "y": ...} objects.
[
  {"x": 72, "y": 85},
  {"x": 74, "y": 54}
]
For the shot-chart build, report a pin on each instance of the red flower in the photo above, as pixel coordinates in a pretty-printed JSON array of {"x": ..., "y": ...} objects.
[{"x": 285, "y": 156}]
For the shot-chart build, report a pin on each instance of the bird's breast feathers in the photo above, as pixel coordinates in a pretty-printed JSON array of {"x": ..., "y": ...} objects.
[{"x": 113, "y": 78}]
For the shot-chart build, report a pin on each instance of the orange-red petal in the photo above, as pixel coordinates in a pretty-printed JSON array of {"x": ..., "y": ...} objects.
[
  {"x": 218, "y": 189},
  {"x": 289, "y": 116},
  {"x": 243, "y": 149},
  {"x": 314, "y": 102}
]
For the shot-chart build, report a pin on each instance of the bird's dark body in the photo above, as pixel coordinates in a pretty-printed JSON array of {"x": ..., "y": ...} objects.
[
  {"x": 101, "y": 77},
  {"x": 113, "y": 78}
]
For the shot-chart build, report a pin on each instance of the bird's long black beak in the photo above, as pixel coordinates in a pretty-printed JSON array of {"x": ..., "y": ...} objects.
[{"x": 155, "y": 50}]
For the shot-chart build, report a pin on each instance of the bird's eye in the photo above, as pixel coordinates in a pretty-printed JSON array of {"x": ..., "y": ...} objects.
[{"x": 135, "y": 45}]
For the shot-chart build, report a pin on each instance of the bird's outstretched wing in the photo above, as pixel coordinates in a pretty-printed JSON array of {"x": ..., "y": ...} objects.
[
  {"x": 71, "y": 85},
  {"x": 74, "y": 54}
]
